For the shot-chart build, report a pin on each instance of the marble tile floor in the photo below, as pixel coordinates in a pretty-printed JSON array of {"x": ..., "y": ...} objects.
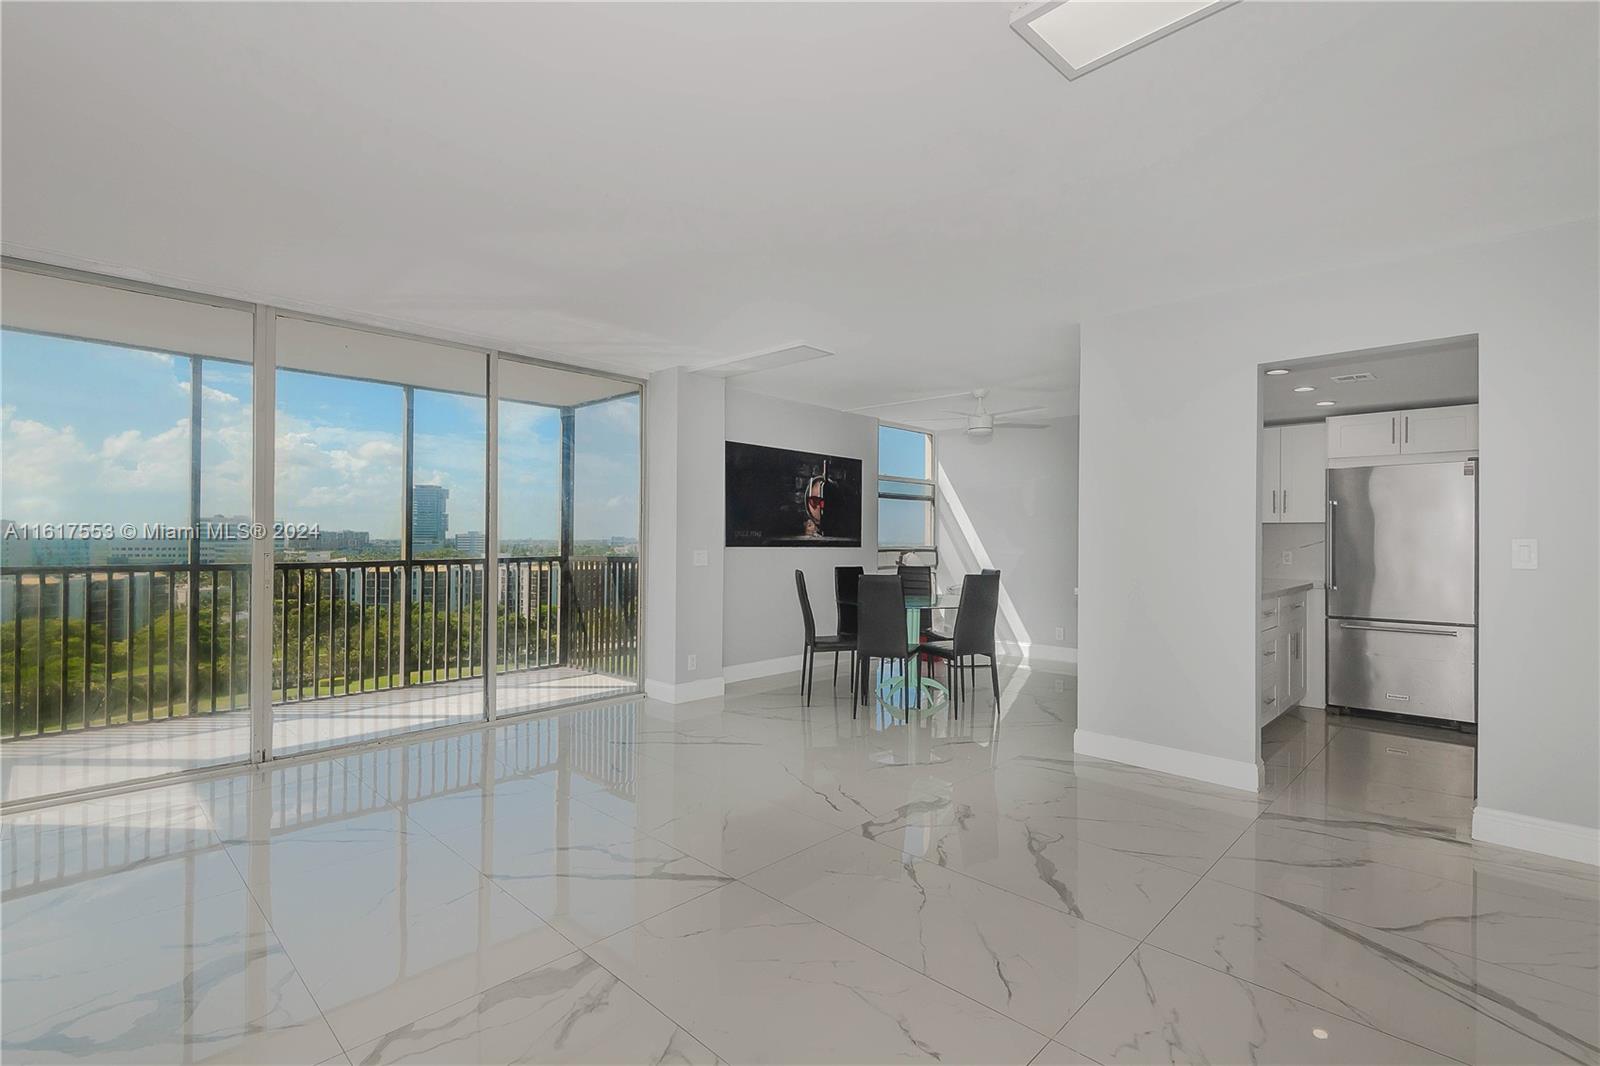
[{"x": 749, "y": 880}]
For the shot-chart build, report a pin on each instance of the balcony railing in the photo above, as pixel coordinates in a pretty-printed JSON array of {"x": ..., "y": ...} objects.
[{"x": 88, "y": 647}]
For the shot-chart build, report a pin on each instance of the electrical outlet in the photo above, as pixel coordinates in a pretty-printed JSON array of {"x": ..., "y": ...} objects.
[
  {"x": 693, "y": 659},
  {"x": 1061, "y": 684},
  {"x": 1061, "y": 633},
  {"x": 1524, "y": 555},
  {"x": 702, "y": 557},
  {"x": 1288, "y": 558}
]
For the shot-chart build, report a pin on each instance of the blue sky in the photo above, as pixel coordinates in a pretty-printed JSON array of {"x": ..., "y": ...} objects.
[
  {"x": 902, "y": 453},
  {"x": 97, "y": 433}
]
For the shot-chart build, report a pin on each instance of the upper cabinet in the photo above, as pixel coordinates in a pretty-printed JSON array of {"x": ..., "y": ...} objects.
[
  {"x": 1374, "y": 434},
  {"x": 1293, "y": 468},
  {"x": 1439, "y": 429},
  {"x": 1419, "y": 432}
]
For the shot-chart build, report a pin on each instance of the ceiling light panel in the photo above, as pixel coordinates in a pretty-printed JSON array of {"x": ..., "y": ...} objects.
[
  {"x": 750, "y": 364},
  {"x": 1077, "y": 36}
]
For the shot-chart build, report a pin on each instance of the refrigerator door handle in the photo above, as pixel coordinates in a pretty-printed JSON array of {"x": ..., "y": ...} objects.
[
  {"x": 1333, "y": 566},
  {"x": 1401, "y": 629}
]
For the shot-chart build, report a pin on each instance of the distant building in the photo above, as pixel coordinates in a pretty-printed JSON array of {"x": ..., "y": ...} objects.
[
  {"x": 430, "y": 518},
  {"x": 335, "y": 540},
  {"x": 472, "y": 543}
]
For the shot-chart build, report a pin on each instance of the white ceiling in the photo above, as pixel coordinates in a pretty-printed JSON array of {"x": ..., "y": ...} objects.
[
  {"x": 1408, "y": 376},
  {"x": 906, "y": 185}
]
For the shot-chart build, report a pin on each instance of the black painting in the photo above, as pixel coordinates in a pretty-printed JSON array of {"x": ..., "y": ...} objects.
[{"x": 780, "y": 498}]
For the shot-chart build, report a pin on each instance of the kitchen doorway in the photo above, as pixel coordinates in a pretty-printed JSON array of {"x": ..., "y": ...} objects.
[{"x": 1368, "y": 582}]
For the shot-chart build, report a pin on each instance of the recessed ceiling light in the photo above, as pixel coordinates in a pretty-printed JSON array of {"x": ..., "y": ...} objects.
[
  {"x": 1305, "y": 388},
  {"x": 1276, "y": 371},
  {"x": 1324, "y": 403},
  {"x": 1077, "y": 36}
]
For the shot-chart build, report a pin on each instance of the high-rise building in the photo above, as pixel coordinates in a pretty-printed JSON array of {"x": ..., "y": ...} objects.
[{"x": 430, "y": 520}]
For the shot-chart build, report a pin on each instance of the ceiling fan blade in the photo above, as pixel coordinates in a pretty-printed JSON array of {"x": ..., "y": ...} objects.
[
  {"x": 1021, "y": 425},
  {"x": 1019, "y": 411}
]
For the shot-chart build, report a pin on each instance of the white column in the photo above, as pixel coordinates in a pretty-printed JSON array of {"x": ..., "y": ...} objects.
[
  {"x": 263, "y": 407},
  {"x": 491, "y": 541}
]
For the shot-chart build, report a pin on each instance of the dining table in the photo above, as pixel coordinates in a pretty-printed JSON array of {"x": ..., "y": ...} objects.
[{"x": 919, "y": 613}]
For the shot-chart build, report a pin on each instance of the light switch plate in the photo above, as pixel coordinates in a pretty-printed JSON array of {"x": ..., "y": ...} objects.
[
  {"x": 1288, "y": 558},
  {"x": 1525, "y": 555},
  {"x": 702, "y": 557},
  {"x": 693, "y": 664}
]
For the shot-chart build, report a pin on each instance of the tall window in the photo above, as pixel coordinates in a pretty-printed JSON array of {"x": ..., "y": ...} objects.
[
  {"x": 129, "y": 444},
  {"x": 380, "y": 489},
  {"x": 569, "y": 536},
  {"x": 905, "y": 489},
  {"x": 125, "y": 435}
]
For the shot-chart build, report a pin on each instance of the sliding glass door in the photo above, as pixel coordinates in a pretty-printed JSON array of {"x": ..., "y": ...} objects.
[
  {"x": 380, "y": 492},
  {"x": 205, "y": 500},
  {"x": 124, "y": 554},
  {"x": 568, "y": 594}
]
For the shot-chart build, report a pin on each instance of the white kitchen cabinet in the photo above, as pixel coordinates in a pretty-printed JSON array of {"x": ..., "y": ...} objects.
[
  {"x": 1439, "y": 429},
  {"x": 1303, "y": 466},
  {"x": 1316, "y": 645},
  {"x": 1361, "y": 435},
  {"x": 1425, "y": 431},
  {"x": 1293, "y": 470},
  {"x": 1271, "y": 459},
  {"x": 1282, "y": 655}
]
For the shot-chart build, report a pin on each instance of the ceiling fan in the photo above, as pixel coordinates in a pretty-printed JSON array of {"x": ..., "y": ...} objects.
[{"x": 982, "y": 422}]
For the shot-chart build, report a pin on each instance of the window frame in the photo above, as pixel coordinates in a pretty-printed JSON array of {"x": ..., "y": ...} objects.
[
  {"x": 106, "y": 295},
  {"x": 930, "y": 495}
]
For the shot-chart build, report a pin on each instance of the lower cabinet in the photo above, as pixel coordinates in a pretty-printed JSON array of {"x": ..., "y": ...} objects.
[{"x": 1283, "y": 657}]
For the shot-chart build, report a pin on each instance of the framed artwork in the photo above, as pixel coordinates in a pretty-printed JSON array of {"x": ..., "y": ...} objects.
[{"x": 779, "y": 498}]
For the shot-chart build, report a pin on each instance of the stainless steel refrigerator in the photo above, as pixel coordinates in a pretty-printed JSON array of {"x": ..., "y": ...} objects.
[{"x": 1403, "y": 589}]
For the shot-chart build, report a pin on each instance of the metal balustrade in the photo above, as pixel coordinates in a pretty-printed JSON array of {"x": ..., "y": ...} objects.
[{"x": 91, "y": 647}]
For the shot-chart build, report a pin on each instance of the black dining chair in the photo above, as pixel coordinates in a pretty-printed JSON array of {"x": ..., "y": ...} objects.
[
  {"x": 814, "y": 643},
  {"x": 882, "y": 633},
  {"x": 916, "y": 580},
  {"x": 845, "y": 580},
  {"x": 934, "y": 634},
  {"x": 974, "y": 634}
]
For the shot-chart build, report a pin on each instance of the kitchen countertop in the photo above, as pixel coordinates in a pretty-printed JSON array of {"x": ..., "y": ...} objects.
[{"x": 1285, "y": 586}]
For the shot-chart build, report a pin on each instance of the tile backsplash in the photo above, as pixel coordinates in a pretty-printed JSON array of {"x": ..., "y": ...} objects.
[{"x": 1305, "y": 541}]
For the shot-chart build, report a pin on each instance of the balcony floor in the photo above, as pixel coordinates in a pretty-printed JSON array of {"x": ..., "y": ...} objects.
[{"x": 97, "y": 758}]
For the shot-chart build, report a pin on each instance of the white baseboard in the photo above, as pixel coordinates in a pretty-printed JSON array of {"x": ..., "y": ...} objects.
[
  {"x": 687, "y": 692},
  {"x": 1042, "y": 656},
  {"x": 787, "y": 664},
  {"x": 1561, "y": 839},
  {"x": 1231, "y": 773}
]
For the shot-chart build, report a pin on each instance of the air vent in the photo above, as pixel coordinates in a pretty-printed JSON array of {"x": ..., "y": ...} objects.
[{"x": 1360, "y": 375}]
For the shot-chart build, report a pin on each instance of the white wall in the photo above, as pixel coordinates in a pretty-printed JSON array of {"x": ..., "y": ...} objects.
[
  {"x": 683, "y": 514},
  {"x": 1011, "y": 503},
  {"x": 761, "y": 615},
  {"x": 1169, "y": 528}
]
